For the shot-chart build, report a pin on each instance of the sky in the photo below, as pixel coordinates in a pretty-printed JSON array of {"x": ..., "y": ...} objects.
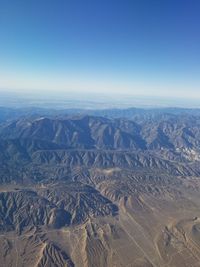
[{"x": 132, "y": 47}]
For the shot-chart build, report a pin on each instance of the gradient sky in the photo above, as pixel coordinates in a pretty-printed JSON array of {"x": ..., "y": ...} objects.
[{"x": 138, "y": 47}]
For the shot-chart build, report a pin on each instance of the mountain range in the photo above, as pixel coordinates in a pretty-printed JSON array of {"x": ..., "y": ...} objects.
[{"x": 99, "y": 188}]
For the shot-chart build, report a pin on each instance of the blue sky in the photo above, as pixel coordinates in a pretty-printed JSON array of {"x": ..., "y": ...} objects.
[{"x": 138, "y": 47}]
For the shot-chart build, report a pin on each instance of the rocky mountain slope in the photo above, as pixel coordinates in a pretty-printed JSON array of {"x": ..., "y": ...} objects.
[{"x": 90, "y": 191}]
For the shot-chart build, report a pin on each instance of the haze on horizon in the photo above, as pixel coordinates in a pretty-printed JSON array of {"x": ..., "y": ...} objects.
[{"x": 145, "y": 48}]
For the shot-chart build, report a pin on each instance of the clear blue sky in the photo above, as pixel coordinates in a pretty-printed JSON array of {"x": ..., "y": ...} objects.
[{"x": 142, "y": 47}]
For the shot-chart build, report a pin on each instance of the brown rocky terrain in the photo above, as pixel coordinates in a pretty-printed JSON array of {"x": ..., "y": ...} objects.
[{"x": 89, "y": 191}]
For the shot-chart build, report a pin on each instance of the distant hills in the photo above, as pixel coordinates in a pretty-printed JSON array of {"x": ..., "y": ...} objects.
[
  {"x": 145, "y": 131},
  {"x": 129, "y": 113}
]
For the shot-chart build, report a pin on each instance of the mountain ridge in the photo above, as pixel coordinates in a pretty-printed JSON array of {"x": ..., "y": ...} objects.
[{"x": 89, "y": 191}]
